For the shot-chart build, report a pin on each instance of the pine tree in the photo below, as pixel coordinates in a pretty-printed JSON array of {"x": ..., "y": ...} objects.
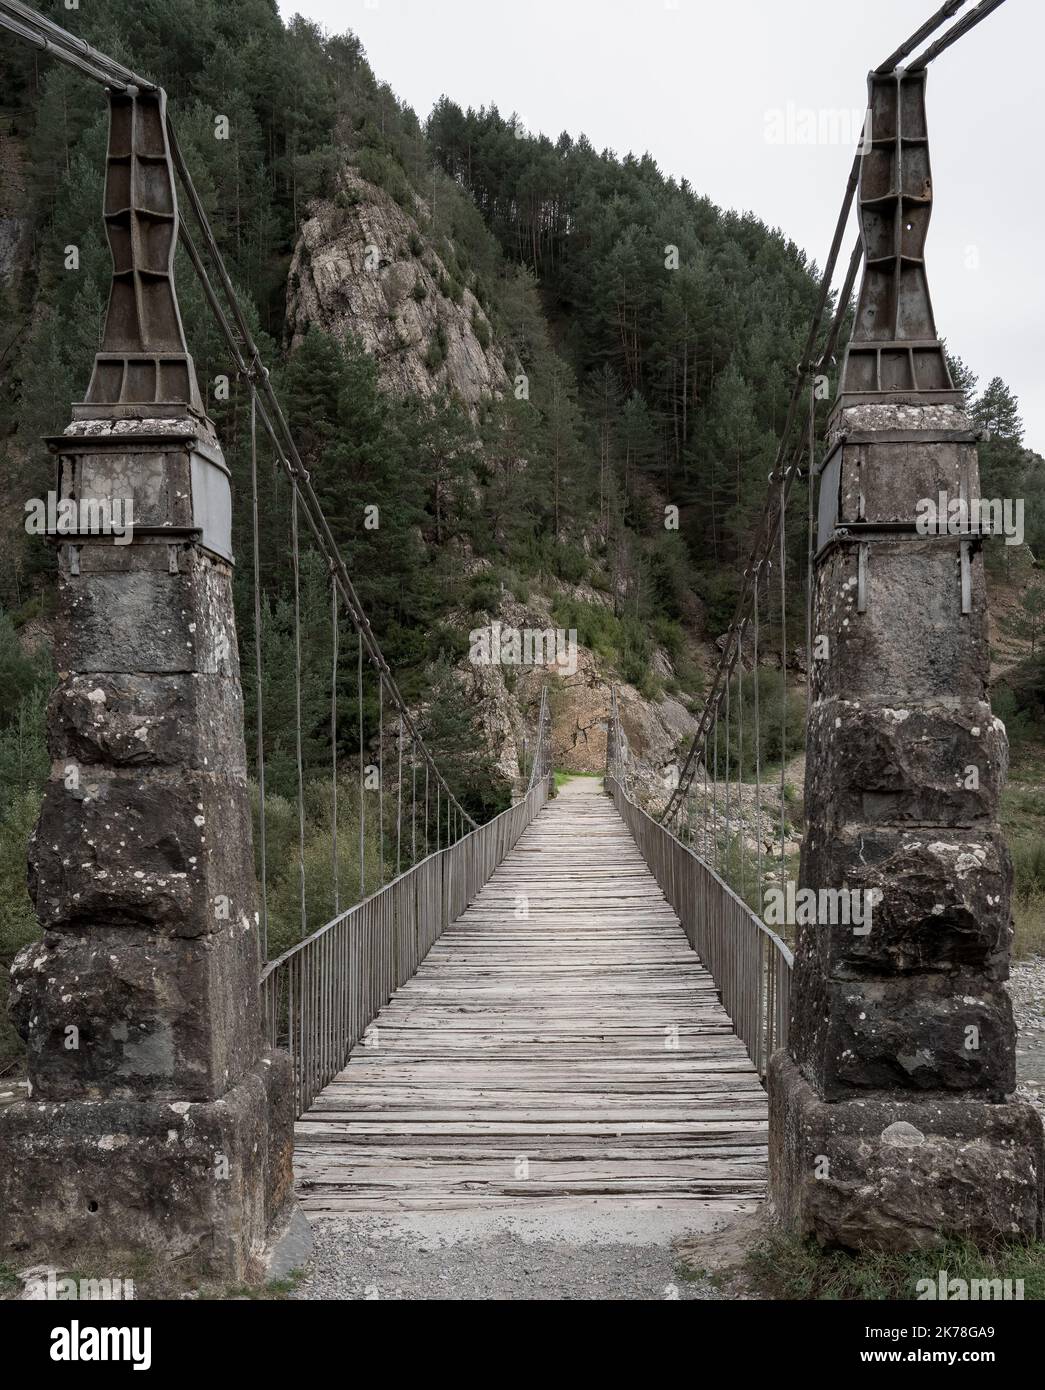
[{"x": 997, "y": 412}]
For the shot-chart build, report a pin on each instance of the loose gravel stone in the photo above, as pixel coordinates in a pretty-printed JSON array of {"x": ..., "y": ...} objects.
[{"x": 352, "y": 1261}]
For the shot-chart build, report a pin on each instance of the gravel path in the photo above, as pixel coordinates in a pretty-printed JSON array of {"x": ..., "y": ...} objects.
[{"x": 547, "y": 1254}]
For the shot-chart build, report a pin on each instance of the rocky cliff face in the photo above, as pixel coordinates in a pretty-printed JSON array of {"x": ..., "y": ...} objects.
[
  {"x": 363, "y": 266},
  {"x": 505, "y": 697}
]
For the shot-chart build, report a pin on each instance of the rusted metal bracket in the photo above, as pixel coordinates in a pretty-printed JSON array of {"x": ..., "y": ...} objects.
[
  {"x": 143, "y": 362},
  {"x": 895, "y": 353}
]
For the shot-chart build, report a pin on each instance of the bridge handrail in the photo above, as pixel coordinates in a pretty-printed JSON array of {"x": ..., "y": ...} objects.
[
  {"x": 750, "y": 964},
  {"x": 320, "y": 996}
]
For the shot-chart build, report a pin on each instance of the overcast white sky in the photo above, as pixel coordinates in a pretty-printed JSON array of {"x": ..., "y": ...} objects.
[{"x": 695, "y": 82}]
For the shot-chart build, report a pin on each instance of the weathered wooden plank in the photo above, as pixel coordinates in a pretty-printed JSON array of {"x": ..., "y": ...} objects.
[{"x": 332, "y": 1202}]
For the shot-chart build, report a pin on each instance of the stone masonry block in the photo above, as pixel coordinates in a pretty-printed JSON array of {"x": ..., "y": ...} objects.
[
  {"x": 119, "y": 1014},
  {"x": 126, "y": 612},
  {"x": 935, "y": 655},
  {"x": 900, "y": 1173},
  {"x": 200, "y": 1186},
  {"x": 166, "y": 849},
  {"x": 925, "y": 1032},
  {"x": 872, "y": 764},
  {"x": 940, "y": 900},
  {"x": 131, "y": 720},
  {"x": 868, "y": 490}
]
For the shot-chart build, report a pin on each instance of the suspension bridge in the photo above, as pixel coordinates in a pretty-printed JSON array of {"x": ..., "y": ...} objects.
[{"x": 568, "y": 1002}]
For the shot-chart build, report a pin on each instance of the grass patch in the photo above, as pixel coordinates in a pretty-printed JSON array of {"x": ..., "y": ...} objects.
[
  {"x": 786, "y": 1268},
  {"x": 560, "y": 777},
  {"x": 1026, "y": 765},
  {"x": 1023, "y": 824},
  {"x": 277, "y": 1289},
  {"x": 1022, "y": 808},
  {"x": 1028, "y": 864},
  {"x": 1028, "y": 914}
]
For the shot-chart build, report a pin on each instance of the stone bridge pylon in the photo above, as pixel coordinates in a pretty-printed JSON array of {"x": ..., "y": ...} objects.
[
  {"x": 889, "y": 1118},
  {"x": 156, "y": 1121}
]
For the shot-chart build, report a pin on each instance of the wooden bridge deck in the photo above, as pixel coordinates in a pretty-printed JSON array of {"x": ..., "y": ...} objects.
[{"x": 576, "y": 1053}]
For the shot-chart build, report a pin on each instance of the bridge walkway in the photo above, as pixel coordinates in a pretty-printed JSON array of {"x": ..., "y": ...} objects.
[{"x": 560, "y": 1043}]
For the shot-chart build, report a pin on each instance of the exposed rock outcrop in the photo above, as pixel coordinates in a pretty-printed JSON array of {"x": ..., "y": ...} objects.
[
  {"x": 363, "y": 266},
  {"x": 579, "y": 700}
]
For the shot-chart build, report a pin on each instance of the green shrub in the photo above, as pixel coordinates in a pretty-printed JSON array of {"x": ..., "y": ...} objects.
[
  {"x": 447, "y": 641},
  {"x": 283, "y": 857},
  {"x": 570, "y": 563},
  {"x": 18, "y": 924},
  {"x": 1018, "y": 722},
  {"x": 379, "y": 168},
  {"x": 481, "y": 329},
  {"x": 668, "y": 634},
  {"x": 1028, "y": 862},
  {"x": 775, "y": 702},
  {"x": 623, "y": 643},
  {"x": 1019, "y": 702},
  {"x": 436, "y": 354},
  {"x": 719, "y": 592},
  {"x": 484, "y": 594}
]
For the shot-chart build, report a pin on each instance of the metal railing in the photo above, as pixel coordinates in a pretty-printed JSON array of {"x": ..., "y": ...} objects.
[
  {"x": 750, "y": 964},
  {"x": 319, "y": 997}
]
